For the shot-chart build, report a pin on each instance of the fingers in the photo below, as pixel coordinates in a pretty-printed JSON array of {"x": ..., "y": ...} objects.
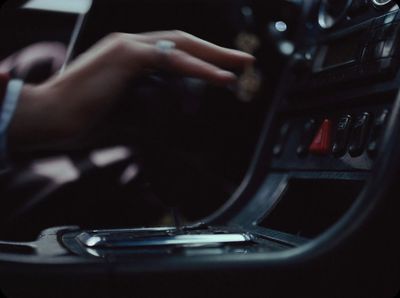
[
  {"x": 179, "y": 62},
  {"x": 185, "y": 64},
  {"x": 204, "y": 50},
  {"x": 126, "y": 56}
]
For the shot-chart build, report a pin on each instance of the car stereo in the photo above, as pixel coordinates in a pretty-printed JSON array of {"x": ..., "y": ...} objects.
[{"x": 360, "y": 47}]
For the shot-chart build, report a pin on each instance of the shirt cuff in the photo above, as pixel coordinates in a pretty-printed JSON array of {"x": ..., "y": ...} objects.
[{"x": 7, "y": 111}]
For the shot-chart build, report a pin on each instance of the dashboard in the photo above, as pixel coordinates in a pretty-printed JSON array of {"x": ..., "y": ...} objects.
[{"x": 306, "y": 205}]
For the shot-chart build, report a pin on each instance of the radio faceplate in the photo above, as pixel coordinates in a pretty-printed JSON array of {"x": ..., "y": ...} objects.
[{"x": 365, "y": 52}]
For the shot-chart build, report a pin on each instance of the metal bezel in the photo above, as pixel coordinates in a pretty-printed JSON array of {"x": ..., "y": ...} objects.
[
  {"x": 323, "y": 15},
  {"x": 381, "y": 5}
]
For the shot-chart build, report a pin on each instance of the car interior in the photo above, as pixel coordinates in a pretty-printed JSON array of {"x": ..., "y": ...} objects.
[{"x": 282, "y": 185}]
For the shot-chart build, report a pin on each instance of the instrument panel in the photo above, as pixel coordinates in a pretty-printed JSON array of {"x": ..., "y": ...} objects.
[
  {"x": 344, "y": 80},
  {"x": 331, "y": 12}
]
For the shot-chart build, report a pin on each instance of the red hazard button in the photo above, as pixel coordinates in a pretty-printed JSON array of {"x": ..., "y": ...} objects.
[{"x": 321, "y": 143}]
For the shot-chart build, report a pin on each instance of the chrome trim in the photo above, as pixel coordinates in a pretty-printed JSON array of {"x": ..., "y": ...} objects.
[{"x": 327, "y": 21}]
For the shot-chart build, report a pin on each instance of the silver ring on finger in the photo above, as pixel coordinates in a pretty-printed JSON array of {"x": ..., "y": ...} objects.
[{"x": 165, "y": 46}]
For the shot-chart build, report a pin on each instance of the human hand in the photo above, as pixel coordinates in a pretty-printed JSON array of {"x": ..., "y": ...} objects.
[{"x": 71, "y": 103}]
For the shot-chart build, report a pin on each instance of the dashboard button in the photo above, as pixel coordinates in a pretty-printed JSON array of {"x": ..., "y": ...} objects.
[
  {"x": 379, "y": 47},
  {"x": 390, "y": 17},
  {"x": 359, "y": 135},
  {"x": 387, "y": 50},
  {"x": 369, "y": 52},
  {"x": 321, "y": 144},
  {"x": 307, "y": 136},
  {"x": 343, "y": 130},
  {"x": 376, "y": 135},
  {"x": 280, "y": 144}
]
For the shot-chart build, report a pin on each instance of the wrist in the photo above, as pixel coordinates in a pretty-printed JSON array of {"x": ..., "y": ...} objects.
[
  {"x": 24, "y": 117},
  {"x": 44, "y": 118}
]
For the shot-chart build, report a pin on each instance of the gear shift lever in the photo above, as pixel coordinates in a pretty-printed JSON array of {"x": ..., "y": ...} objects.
[
  {"x": 161, "y": 108},
  {"x": 160, "y": 105},
  {"x": 177, "y": 218},
  {"x": 169, "y": 181}
]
